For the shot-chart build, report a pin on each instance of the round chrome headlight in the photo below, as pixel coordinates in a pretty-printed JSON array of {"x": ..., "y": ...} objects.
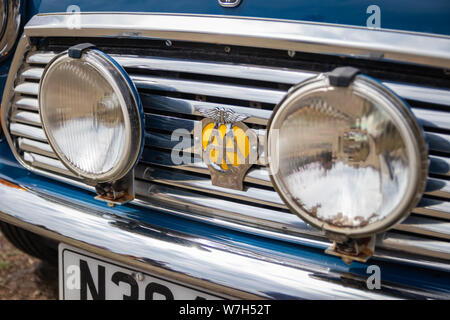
[
  {"x": 91, "y": 114},
  {"x": 350, "y": 160}
]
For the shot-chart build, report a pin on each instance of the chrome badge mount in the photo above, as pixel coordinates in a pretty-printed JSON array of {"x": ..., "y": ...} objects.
[{"x": 228, "y": 147}]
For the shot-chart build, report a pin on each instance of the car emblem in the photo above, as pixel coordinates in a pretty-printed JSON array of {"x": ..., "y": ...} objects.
[
  {"x": 229, "y": 3},
  {"x": 228, "y": 147}
]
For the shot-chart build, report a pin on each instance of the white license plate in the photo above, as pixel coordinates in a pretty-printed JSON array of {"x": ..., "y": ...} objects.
[{"x": 83, "y": 275}]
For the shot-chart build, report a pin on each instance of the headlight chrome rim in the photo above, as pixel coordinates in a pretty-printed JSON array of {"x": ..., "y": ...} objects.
[
  {"x": 131, "y": 107},
  {"x": 411, "y": 133}
]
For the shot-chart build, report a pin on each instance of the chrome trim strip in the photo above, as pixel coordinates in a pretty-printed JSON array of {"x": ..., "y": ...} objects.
[
  {"x": 425, "y": 226},
  {"x": 225, "y": 269},
  {"x": 267, "y": 33}
]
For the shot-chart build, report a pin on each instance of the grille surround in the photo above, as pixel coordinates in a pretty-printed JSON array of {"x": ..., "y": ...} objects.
[{"x": 297, "y": 231}]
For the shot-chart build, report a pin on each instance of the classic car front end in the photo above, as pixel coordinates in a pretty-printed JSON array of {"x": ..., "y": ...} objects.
[{"x": 116, "y": 148}]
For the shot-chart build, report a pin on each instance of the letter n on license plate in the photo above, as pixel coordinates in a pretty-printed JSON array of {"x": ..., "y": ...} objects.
[{"x": 85, "y": 276}]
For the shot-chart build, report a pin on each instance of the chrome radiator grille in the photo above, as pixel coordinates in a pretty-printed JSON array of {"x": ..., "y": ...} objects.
[{"x": 171, "y": 88}]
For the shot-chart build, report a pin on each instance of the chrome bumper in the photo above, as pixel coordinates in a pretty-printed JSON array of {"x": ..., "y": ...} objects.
[{"x": 217, "y": 267}]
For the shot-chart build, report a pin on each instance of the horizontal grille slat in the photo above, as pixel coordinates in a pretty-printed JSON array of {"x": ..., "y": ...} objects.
[
  {"x": 434, "y": 208},
  {"x": 164, "y": 141},
  {"x": 227, "y": 209},
  {"x": 420, "y": 93},
  {"x": 426, "y": 226},
  {"x": 40, "y": 57},
  {"x": 26, "y": 131},
  {"x": 438, "y": 188},
  {"x": 405, "y": 243},
  {"x": 172, "y": 91},
  {"x": 438, "y": 142},
  {"x": 432, "y": 118},
  {"x": 256, "y": 175},
  {"x": 30, "y": 88},
  {"x": 46, "y": 163},
  {"x": 26, "y": 103},
  {"x": 171, "y": 123},
  {"x": 33, "y": 146},
  {"x": 208, "y": 88},
  {"x": 213, "y": 68},
  {"x": 439, "y": 165},
  {"x": 168, "y": 123},
  {"x": 190, "y": 107},
  {"x": 32, "y": 73},
  {"x": 26, "y": 117}
]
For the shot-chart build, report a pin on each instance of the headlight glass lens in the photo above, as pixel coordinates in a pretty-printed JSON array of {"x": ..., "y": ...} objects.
[
  {"x": 85, "y": 116},
  {"x": 347, "y": 159}
]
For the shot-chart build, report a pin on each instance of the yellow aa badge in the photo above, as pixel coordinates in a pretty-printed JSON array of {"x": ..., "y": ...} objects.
[{"x": 228, "y": 147}]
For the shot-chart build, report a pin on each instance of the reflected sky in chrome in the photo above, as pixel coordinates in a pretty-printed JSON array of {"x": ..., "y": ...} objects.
[{"x": 348, "y": 164}]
